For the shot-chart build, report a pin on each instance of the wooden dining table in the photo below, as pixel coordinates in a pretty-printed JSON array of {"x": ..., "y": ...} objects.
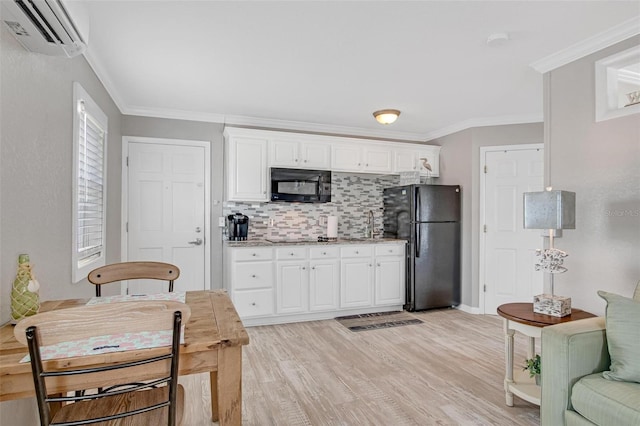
[{"x": 213, "y": 340}]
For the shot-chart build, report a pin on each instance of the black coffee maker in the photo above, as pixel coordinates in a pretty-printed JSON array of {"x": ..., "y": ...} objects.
[{"x": 238, "y": 227}]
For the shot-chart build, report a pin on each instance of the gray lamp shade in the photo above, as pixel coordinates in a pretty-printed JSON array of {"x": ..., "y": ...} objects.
[{"x": 550, "y": 210}]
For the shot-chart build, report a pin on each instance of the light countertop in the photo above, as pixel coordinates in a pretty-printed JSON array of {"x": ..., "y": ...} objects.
[{"x": 266, "y": 243}]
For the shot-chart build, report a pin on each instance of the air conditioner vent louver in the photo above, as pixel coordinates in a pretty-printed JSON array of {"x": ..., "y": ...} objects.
[
  {"x": 52, "y": 27},
  {"x": 36, "y": 22}
]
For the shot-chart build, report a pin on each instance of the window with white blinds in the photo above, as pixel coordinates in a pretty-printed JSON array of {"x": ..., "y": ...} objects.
[{"x": 89, "y": 183}]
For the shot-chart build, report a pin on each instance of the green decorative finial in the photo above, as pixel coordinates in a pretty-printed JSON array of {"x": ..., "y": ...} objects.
[{"x": 25, "y": 300}]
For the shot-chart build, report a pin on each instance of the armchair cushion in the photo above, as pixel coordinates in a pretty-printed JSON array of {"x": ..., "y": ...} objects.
[
  {"x": 623, "y": 337},
  {"x": 607, "y": 402}
]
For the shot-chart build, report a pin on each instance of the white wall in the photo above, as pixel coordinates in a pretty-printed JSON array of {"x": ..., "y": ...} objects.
[
  {"x": 600, "y": 162},
  {"x": 36, "y": 152}
]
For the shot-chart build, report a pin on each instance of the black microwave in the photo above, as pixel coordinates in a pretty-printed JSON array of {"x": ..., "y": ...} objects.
[{"x": 306, "y": 186}]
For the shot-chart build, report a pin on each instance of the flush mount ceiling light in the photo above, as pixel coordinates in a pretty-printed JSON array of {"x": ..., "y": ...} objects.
[{"x": 386, "y": 116}]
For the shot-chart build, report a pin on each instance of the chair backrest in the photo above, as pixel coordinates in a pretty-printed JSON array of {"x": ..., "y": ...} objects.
[
  {"x": 81, "y": 323},
  {"x": 133, "y": 271}
]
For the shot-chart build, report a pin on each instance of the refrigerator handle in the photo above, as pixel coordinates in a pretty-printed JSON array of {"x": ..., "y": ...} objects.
[
  {"x": 418, "y": 218},
  {"x": 418, "y": 205}
]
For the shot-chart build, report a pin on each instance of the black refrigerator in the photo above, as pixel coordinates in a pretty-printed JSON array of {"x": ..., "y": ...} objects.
[{"x": 428, "y": 217}]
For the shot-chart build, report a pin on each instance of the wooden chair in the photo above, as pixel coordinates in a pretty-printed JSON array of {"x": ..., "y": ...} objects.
[
  {"x": 122, "y": 402},
  {"x": 133, "y": 271}
]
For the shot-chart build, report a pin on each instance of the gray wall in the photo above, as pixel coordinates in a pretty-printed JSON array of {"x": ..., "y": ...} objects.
[
  {"x": 192, "y": 130},
  {"x": 460, "y": 165},
  {"x": 600, "y": 162},
  {"x": 36, "y": 155}
]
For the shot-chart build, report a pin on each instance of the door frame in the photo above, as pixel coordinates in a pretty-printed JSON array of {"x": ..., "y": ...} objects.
[
  {"x": 124, "y": 214},
  {"x": 482, "y": 253}
]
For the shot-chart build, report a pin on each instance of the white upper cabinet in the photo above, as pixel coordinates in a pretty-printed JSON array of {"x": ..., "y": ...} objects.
[
  {"x": 406, "y": 161},
  {"x": 316, "y": 155},
  {"x": 283, "y": 153},
  {"x": 346, "y": 157},
  {"x": 413, "y": 159},
  {"x": 362, "y": 158},
  {"x": 247, "y": 171},
  {"x": 250, "y": 153},
  {"x": 378, "y": 158},
  {"x": 299, "y": 154}
]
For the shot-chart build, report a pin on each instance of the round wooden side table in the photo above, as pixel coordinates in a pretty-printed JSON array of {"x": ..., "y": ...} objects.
[{"x": 521, "y": 318}]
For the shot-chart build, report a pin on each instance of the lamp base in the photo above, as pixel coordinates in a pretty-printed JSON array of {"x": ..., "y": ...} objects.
[{"x": 556, "y": 306}]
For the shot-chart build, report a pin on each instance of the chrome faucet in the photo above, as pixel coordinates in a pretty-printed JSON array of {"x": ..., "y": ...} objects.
[{"x": 371, "y": 222}]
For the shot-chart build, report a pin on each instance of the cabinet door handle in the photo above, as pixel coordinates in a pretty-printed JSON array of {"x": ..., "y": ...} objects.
[
  {"x": 253, "y": 276},
  {"x": 304, "y": 269},
  {"x": 296, "y": 160},
  {"x": 292, "y": 254},
  {"x": 370, "y": 265},
  {"x": 324, "y": 253},
  {"x": 378, "y": 264},
  {"x": 357, "y": 252},
  {"x": 313, "y": 267},
  {"x": 253, "y": 254},
  {"x": 253, "y": 304}
]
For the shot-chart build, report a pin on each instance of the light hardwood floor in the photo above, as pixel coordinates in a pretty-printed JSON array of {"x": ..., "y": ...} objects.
[{"x": 449, "y": 370}]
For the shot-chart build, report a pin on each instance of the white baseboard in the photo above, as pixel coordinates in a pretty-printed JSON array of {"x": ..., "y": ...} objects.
[{"x": 469, "y": 309}]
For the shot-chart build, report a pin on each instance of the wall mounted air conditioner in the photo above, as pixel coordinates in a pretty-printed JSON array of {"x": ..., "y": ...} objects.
[{"x": 52, "y": 27}]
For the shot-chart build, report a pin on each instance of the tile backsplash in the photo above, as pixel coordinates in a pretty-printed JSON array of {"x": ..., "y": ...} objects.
[{"x": 353, "y": 196}]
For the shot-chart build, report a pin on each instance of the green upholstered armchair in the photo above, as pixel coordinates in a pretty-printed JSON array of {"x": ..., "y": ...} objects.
[{"x": 574, "y": 391}]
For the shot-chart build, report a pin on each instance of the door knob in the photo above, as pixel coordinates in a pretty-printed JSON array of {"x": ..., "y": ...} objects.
[{"x": 197, "y": 242}]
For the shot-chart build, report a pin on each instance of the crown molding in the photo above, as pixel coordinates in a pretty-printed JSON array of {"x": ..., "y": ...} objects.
[
  {"x": 103, "y": 76},
  {"x": 484, "y": 122},
  {"x": 175, "y": 114},
  {"x": 322, "y": 128},
  {"x": 588, "y": 46},
  {"x": 272, "y": 124}
]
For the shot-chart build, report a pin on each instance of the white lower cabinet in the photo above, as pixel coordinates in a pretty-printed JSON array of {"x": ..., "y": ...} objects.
[
  {"x": 253, "y": 303},
  {"x": 324, "y": 285},
  {"x": 356, "y": 290},
  {"x": 292, "y": 284},
  {"x": 304, "y": 282},
  {"x": 372, "y": 276},
  {"x": 251, "y": 272},
  {"x": 356, "y": 279},
  {"x": 389, "y": 281}
]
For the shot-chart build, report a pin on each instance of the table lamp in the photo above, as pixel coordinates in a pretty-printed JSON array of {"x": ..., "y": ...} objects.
[{"x": 551, "y": 210}]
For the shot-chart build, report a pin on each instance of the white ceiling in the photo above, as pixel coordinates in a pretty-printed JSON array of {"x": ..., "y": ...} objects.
[{"x": 327, "y": 65}]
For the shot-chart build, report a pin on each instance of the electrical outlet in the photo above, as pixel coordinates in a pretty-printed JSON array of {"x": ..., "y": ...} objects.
[{"x": 221, "y": 222}]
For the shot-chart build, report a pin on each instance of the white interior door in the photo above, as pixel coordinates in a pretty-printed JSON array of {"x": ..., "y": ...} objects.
[
  {"x": 508, "y": 257},
  {"x": 167, "y": 211}
]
